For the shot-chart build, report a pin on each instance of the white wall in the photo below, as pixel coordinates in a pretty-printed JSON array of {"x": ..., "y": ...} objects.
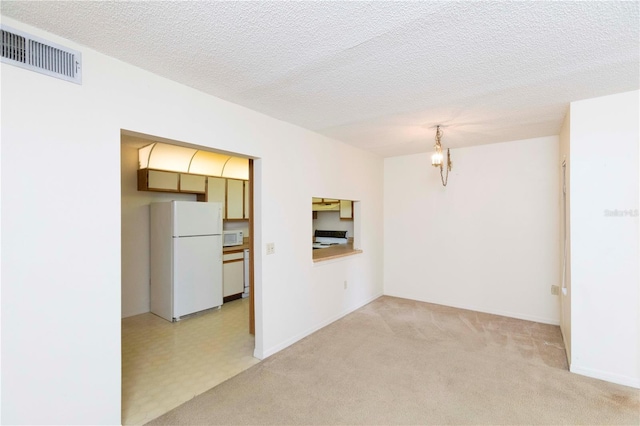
[
  {"x": 61, "y": 230},
  {"x": 605, "y": 253},
  {"x": 486, "y": 242}
]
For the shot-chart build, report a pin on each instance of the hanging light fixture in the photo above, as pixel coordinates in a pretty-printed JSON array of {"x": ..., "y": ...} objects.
[{"x": 437, "y": 159}]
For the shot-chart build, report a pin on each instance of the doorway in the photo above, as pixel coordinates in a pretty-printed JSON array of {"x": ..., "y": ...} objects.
[{"x": 165, "y": 364}]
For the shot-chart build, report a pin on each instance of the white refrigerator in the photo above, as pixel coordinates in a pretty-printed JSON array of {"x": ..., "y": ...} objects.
[{"x": 185, "y": 257}]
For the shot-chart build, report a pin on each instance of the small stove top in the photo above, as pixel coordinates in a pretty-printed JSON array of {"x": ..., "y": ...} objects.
[
  {"x": 324, "y": 239},
  {"x": 318, "y": 245}
]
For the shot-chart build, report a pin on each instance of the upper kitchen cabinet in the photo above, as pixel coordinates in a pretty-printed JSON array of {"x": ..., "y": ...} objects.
[
  {"x": 247, "y": 198},
  {"x": 217, "y": 192},
  {"x": 158, "y": 180},
  {"x": 235, "y": 199},
  {"x": 343, "y": 207},
  {"x": 232, "y": 193},
  {"x": 346, "y": 210},
  {"x": 194, "y": 184},
  {"x": 325, "y": 204},
  {"x": 167, "y": 181}
]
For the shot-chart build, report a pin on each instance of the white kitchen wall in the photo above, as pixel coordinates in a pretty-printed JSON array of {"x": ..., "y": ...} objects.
[
  {"x": 61, "y": 226},
  {"x": 488, "y": 241},
  {"x": 135, "y": 230},
  {"x": 605, "y": 252}
]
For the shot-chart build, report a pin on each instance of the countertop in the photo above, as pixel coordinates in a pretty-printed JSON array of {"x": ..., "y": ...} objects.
[
  {"x": 233, "y": 249},
  {"x": 334, "y": 252}
]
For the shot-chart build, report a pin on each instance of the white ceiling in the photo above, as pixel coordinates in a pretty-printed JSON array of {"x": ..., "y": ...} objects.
[{"x": 378, "y": 75}]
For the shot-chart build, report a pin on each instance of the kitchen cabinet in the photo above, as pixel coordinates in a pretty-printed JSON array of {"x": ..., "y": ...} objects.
[
  {"x": 233, "y": 274},
  {"x": 165, "y": 181},
  {"x": 235, "y": 199},
  {"x": 316, "y": 200},
  {"x": 345, "y": 207},
  {"x": 194, "y": 184},
  {"x": 325, "y": 205},
  {"x": 247, "y": 205},
  {"x": 346, "y": 210},
  {"x": 234, "y": 194},
  {"x": 158, "y": 180},
  {"x": 216, "y": 192}
]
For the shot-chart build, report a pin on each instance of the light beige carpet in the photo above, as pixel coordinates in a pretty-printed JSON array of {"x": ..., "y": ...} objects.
[{"x": 397, "y": 361}]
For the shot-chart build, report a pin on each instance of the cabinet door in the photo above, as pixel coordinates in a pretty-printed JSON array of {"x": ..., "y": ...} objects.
[
  {"x": 216, "y": 190},
  {"x": 161, "y": 180},
  {"x": 233, "y": 277},
  {"x": 247, "y": 205},
  {"x": 192, "y": 183},
  {"x": 346, "y": 209},
  {"x": 235, "y": 199},
  {"x": 326, "y": 207}
]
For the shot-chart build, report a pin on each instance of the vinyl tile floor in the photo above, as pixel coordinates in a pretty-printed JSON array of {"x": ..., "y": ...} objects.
[{"x": 165, "y": 364}]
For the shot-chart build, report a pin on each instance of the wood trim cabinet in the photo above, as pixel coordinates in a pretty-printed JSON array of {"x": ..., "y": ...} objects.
[
  {"x": 346, "y": 210},
  {"x": 194, "y": 184},
  {"x": 158, "y": 180},
  {"x": 247, "y": 198},
  {"x": 233, "y": 275},
  {"x": 234, "y": 194},
  {"x": 329, "y": 207},
  {"x": 217, "y": 192},
  {"x": 235, "y": 199},
  {"x": 344, "y": 207},
  {"x": 166, "y": 181},
  {"x": 325, "y": 204}
]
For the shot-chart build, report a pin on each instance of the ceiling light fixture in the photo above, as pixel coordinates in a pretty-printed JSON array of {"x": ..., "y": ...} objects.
[{"x": 437, "y": 157}]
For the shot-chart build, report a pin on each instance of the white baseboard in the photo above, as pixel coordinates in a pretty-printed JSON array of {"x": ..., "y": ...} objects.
[
  {"x": 633, "y": 382},
  {"x": 277, "y": 348},
  {"x": 551, "y": 321}
]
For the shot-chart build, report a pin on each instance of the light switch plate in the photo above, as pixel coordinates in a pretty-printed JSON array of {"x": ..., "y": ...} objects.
[{"x": 271, "y": 248}]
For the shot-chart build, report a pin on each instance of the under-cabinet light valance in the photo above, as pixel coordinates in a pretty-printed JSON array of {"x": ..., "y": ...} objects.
[{"x": 162, "y": 156}]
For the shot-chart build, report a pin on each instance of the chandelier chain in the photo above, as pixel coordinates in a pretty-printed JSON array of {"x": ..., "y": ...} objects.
[{"x": 442, "y": 178}]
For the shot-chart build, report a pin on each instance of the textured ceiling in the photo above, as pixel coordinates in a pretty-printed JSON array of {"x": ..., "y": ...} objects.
[{"x": 378, "y": 75}]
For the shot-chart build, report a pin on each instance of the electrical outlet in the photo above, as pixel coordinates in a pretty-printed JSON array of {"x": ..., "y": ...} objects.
[
  {"x": 271, "y": 248},
  {"x": 345, "y": 285},
  {"x": 555, "y": 290}
]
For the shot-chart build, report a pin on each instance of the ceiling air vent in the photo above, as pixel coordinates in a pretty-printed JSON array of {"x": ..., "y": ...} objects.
[{"x": 36, "y": 54}]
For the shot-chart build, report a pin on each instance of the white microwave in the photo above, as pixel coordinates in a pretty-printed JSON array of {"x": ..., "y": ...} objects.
[{"x": 232, "y": 238}]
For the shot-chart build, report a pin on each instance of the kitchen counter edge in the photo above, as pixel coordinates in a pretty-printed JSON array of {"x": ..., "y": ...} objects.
[{"x": 334, "y": 252}]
